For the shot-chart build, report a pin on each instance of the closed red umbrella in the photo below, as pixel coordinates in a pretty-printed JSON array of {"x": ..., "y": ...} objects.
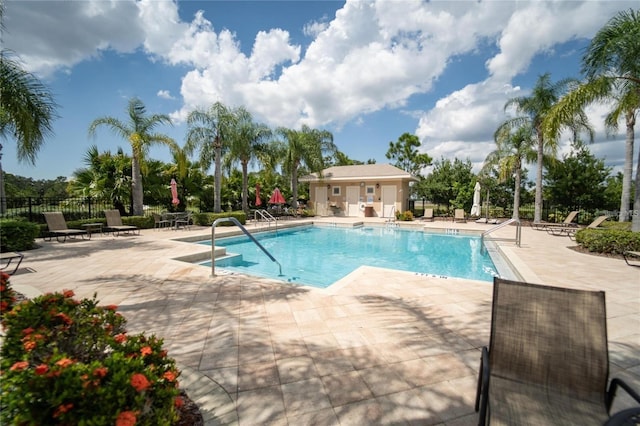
[
  {"x": 174, "y": 192},
  {"x": 276, "y": 197},
  {"x": 258, "y": 200}
]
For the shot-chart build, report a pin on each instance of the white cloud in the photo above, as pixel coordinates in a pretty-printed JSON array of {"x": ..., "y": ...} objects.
[
  {"x": 370, "y": 56},
  {"x": 312, "y": 29},
  {"x": 165, "y": 94},
  {"x": 538, "y": 26},
  {"x": 68, "y": 33}
]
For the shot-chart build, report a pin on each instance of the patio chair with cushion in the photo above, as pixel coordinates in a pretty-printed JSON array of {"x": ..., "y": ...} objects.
[
  {"x": 459, "y": 216},
  {"x": 568, "y": 222},
  {"x": 115, "y": 225},
  {"x": 428, "y": 215},
  {"x": 547, "y": 361},
  {"x": 57, "y": 227}
]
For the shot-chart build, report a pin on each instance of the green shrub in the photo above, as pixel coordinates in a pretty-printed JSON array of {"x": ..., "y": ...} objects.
[
  {"x": 308, "y": 213},
  {"x": 66, "y": 361},
  {"x": 405, "y": 216},
  {"x": 17, "y": 235},
  {"x": 142, "y": 222},
  {"x": 207, "y": 219},
  {"x": 613, "y": 241}
]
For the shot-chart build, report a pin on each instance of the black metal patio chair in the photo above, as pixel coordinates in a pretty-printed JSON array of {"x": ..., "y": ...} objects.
[{"x": 547, "y": 361}]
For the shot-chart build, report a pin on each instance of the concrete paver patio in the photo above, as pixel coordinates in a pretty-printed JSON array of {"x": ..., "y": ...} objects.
[{"x": 379, "y": 347}]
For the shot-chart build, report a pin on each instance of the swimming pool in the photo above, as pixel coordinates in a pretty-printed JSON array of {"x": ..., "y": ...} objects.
[{"x": 320, "y": 256}]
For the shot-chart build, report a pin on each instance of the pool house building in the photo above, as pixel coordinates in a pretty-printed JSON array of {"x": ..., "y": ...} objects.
[{"x": 367, "y": 190}]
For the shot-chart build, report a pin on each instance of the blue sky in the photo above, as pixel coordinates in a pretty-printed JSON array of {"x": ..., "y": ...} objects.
[{"x": 367, "y": 71}]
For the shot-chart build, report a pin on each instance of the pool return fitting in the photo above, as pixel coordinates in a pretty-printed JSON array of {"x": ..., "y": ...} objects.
[{"x": 244, "y": 230}]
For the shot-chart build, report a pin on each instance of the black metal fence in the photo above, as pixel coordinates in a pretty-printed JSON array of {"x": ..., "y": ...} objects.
[{"x": 31, "y": 208}]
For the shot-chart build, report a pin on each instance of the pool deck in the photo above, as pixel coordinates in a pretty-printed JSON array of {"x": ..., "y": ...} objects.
[{"x": 378, "y": 347}]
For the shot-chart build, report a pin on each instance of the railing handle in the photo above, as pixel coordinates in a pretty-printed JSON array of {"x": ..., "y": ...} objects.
[{"x": 245, "y": 231}]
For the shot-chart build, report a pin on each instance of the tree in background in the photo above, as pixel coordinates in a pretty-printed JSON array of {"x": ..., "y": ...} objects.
[
  {"x": 406, "y": 156},
  {"x": 19, "y": 186},
  {"x": 450, "y": 183},
  {"x": 613, "y": 191},
  {"x": 513, "y": 148},
  {"x": 105, "y": 177},
  {"x": 27, "y": 110},
  {"x": 305, "y": 147},
  {"x": 245, "y": 140},
  {"x": 339, "y": 158},
  {"x": 208, "y": 132},
  {"x": 499, "y": 191},
  {"x": 139, "y": 131},
  {"x": 578, "y": 182},
  {"x": 532, "y": 111},
  {"x": 193, "y": 183},
  {"x": 612, "y": 67}
]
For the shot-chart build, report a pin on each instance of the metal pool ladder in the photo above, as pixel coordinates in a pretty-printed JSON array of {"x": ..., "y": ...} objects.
[
  {"x": 517, "y": 238},
  {"x": 266, "y": 216},
  {"x": 244, "y": 230}
]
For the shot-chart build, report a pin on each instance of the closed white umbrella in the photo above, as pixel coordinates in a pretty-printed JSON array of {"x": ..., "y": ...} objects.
[{"x": 475, "y": 210}]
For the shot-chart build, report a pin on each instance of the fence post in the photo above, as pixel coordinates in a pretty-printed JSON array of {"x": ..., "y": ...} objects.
[
  {"x": 30, "y": 211},
  {"x": 89, "y": 202}
]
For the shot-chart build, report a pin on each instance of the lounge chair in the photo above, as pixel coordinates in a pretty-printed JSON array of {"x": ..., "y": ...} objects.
[
  {"x": 571, "y": 232},
  {"x": 568, "y": 222},
  {"x": 459, "y": 216},
  {"x": 632, "y": 258},
  {"x": 114, "y": 223},
  {"x": 428, "y": 215},
  {"x": 547, "y": 361},
  {"x": 7, "y": 258},
  {"x": 58, "y": 228}
]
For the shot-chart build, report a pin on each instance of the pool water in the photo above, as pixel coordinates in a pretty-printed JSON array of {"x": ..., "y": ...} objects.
[{"x": 320, "y": 256}]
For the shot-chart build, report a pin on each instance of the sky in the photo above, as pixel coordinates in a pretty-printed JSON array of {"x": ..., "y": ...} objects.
[{"x": 365, "y": 70}]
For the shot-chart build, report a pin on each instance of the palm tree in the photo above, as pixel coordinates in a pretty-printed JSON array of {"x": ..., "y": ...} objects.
[
  {"x": 189, "y": 176},
  {"x": 533, "y": 110},
  {"x": 27, "y": 111},
  {"x": 612, "y": 67},
  {"x": 246, "y": 140},
  {"x": 307, "y": 146},
  {"x": 105, "y": 177},
  {"x": 208, "y": 132},
  {"x": 138, "y": 131},
  {"x": 512, "y": 150}
]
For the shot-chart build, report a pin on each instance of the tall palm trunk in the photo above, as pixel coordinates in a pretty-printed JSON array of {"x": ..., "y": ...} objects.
[
  {"x": 627, "y": 175},
  {"x": 218, "y": 175},
  {"x": 294, "y": 186},
  {"x": 635, "y": 221},
  {"x": 136, "y": 187},
  {"x": 537, "y": 214},
  {"x": 245, "y": 187},
  {"x": 516, "y": 194}
]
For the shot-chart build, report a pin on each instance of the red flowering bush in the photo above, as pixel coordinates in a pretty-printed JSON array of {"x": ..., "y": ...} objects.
[
  {"x": 71, "y": 362},
  {"x": 7, "y": 295}
]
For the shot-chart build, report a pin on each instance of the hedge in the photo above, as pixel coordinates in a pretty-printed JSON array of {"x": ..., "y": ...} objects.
[
  {"x": 207, "y": 219},
  {"x": 17, "y": 235},
  {"x": 611, "y": 241}
]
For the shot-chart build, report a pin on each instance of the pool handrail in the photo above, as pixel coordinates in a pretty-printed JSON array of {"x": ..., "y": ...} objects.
[
  {"x": 518, "y": 237},
  {"x": 266, "y": 216},
  {"x": 245, "y": 231}
]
